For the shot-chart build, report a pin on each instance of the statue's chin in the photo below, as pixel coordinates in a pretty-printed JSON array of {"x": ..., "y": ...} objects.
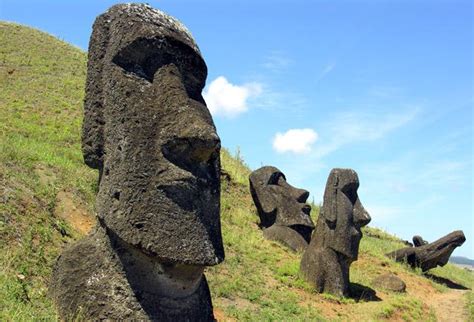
[
  {"x": 151, "y": 275},
  {"x": 178, "y": 280}
]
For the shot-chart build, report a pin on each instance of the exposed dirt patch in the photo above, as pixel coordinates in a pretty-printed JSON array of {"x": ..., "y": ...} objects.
[
  {"x": 45, "y": 175},
  {"x": 221, "y": 317},
  {"x": 450, "y": 306},
  {"x": 73, "y": 211},
  {"x": 239, "y": 303}
]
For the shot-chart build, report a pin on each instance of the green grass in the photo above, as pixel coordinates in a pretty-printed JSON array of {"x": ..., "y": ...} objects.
[{"x": 42, "y": 82}]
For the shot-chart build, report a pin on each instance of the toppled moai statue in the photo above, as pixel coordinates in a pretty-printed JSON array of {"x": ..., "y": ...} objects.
[
  {"x": 335, "y": 243},
  {"x": 284, "y": 214},
  {"x": 419, "y": 241},
  {"x": 430, "y": 255},
  {"x": 148, "y": 131}
]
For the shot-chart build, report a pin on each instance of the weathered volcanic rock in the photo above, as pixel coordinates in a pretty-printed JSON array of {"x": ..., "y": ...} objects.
[
  {"x": 284, "y": 215},
  {"x": 430, "y": 255},
  {"x": 419, "y": 241},
  {"x": 390, "y": 282},
  {"x": 103, "y": 278},
  {"x": 149, "y": 133},
  {"x": 335, "y": 242}
]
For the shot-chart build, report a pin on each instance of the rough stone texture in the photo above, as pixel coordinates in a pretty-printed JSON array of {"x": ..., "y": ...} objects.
[
  {"x": 284, "y": 215},
  {"x": 419, "y": 241},
  {"x": 104, "y": 278},
  {"x": 430, "y": 255},
  {"x": 335, "y": 242},
  {"x": 149, "y": 133},
  {"x": 390, "y": 282}
]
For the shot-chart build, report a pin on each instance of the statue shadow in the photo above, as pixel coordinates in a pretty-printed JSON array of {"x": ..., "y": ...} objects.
[
  {"x": 446, "y": 282},
  {"x": 361, "y": 293}
]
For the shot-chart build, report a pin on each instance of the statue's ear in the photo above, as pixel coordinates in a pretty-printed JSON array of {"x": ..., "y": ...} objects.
[
  {"x": 93, "y": 125},
  {"x": 267, "y": 204},
  {"x": 329, "y": 208},
  {"x": 260, "y": 197}
]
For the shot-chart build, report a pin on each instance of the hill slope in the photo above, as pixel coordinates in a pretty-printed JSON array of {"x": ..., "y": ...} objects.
[{"x": 47, "y": 196}]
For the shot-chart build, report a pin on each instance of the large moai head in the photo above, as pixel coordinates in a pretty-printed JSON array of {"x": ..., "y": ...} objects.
[
  {"x": 279, "y": 203},
  {"x": 148, "y": 131},
  {"x": 342, "y": 214}
]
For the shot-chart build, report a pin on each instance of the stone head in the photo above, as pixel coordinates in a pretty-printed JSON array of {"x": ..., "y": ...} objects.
[
  {"x": 148, "y": 131},
  {"x": 280, "y": 203},
  {"x": 342, "y": 214}
]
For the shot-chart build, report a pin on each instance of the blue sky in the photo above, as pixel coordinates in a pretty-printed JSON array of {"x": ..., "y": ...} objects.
[{"x": 383, "y": 87}]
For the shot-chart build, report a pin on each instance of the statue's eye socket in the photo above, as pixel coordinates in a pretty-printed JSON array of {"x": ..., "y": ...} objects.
[
  {"x": 276, "y": 178},
  {"x": 144, "y": 56},
  {"x": 351, "y": 194}
]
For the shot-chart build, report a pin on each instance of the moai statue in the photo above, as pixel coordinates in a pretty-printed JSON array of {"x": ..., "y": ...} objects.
[
  {"x": 335, "y": 242},
  {"x": 418, "y": 241},
  {"x": 149, "y": 133},
  {"x": 284, "y": 215},
  {"x": 429, "y": 255}
]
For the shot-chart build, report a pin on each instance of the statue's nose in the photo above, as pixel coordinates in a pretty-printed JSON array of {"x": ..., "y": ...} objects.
[
  {"x": 194, "y": 144},
  {"x": 198, "y": 135},
  {"x": 193, "y": 153},
  {"x": 191, "y": 141},
  {"x": 202, "y": 149},
  {"x": 302, "y": 195},
  {"x": 361, "y": 216}
]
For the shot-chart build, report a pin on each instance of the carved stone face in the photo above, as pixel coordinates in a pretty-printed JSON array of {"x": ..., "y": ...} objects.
[
  {"x": 279, "y": 203},
  {"x": 148, "y": 131},
  {"x": 343, "y": 213},
  {"x": 429, "y": 255}
]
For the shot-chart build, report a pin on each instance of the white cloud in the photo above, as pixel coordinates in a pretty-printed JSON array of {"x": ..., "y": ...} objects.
[
  {"x": 226, "y": 99},
  {"x": 298, "y": 141}
]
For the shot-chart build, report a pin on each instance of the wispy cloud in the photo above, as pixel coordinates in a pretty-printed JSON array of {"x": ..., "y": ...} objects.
[
  {"x": 409, "y": 188},
  {"x": 276, "y": 61},
  {"x": 351, "y": 127},
  {"x": 410, "y": 172},
  {"x": 385, "y": 91},
  {"x": 326, "y": 70},
  {"x": 229, "y": 100},
  {"x": 345, "y": 129}
]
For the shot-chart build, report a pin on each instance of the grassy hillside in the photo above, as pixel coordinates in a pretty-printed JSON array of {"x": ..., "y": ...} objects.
[{"x": 47, "y": 196}]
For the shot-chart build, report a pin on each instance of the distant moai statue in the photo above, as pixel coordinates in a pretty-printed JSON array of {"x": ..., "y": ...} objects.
[
  {"x": 419, "y": 241},
  {"x": 429, "y": 255},
  {"x": 284, "y": 214},
  {"x": 335, "y": 242},
  {"x": 149, "y": 133}
]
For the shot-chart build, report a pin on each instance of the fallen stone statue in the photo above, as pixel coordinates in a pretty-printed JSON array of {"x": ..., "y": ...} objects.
[
  {"x": 335, "y": 242},
  {"x": 418, "y": 241},
  {"x": 149, "y": 133},
  {"x": 428, "y": 256},
  {"x": 284, "y": 214}
]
